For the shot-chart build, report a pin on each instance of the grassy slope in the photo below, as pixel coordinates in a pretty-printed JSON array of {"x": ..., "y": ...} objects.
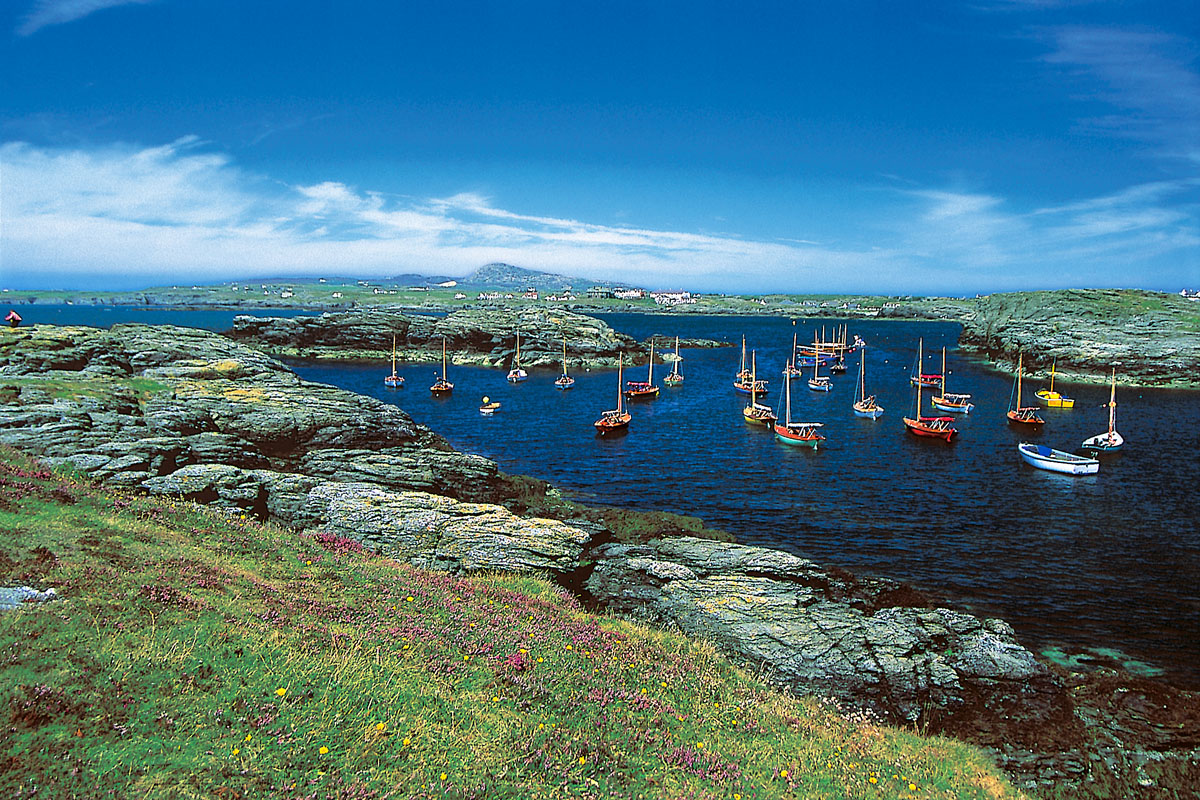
[{"x": 201, "y": 655}]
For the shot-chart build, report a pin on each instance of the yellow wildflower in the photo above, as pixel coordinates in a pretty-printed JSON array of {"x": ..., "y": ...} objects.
[
  {"x": 443, "y": 776},
  {"x": 379, "y": 726},
  {"x": 912, "y": 787},
  {"x": 582, "y": 759},
  {"x": 249, "y": 736},
  {"x": 407, "y": 741},
  {"x": 783, "y": 773},
  {"x": 323, "y": 750},
  {"x": 281, "y": 691},
  {"x": 236, "y": 751}
]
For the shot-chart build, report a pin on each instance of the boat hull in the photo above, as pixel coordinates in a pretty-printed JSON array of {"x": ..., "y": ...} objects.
[
  {"x": 1024, "y": 416},
  {"x": 564, "y": 384},
  {"x": 929, "y": 430},
  {"x": 394, "y": 381},
  {"x": 793, "y": 438},
  {"x": 820, "y": 385},
  {"x": 673, "y": 380},
  {"x": 759, "y": 415},
  {"x": 1042, "y": 457},
  {"x": 874, "y": 412},
  {"x": 517, "y": 375},
  {"x": 948, "y": 405},
  {"x": 743, "y": 387},
  {"x": 1054, "y": 399},
  {"x": 612, "y": 422}
]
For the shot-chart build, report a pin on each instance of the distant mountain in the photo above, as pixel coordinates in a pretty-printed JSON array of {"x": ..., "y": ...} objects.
[
  {"x": 412, "y": 279},
  {"x": 507, "y": 277}
]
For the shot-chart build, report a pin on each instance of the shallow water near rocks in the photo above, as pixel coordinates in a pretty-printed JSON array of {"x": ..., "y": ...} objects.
[{"x": 1103, "y": 567}]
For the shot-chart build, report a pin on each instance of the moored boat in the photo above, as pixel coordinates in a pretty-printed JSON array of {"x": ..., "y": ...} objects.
[
  {"x": 865, "y": 405},
  {"x": 796, "y": 433},
  {"x": 756, "y": 413},
  {"x": 675, "y": 377},
  {"x": 516, "y": 374},
  {"x": 564, "y": 381},
  {"x": 1110, "y": 441},
  {"x": 791, "y": 370},
  {"x": 946, "y": 401},
  {"x": 1022, "y": 415},
  {"x": 929, "y": 427},
  {"x": 394, "y": 381},
  {"x": 1051, "y": 398},
  {"x": 643, "y": 390},
  {"x": 818, "y": 382},
  {"x": 488, "y": 407},
  {"x": 441, "y": 385},
  {"x": 618, "y": 418},
  {"x": 1043, "y": 457},
  {"x": 742, "y": 381}
]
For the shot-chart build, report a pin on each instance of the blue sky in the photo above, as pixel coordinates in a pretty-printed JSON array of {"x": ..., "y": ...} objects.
[{"x": 940, "y": 148}]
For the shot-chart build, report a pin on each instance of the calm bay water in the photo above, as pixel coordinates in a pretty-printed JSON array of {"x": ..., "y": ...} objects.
[
  {"x": 1110, "y": 561},
  {"x": 1104, "y": 562}
]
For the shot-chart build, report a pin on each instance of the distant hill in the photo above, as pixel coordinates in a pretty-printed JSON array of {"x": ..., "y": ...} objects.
[
  {"x": 505, "y": 276},
  {"x": 412, "y": 279}
]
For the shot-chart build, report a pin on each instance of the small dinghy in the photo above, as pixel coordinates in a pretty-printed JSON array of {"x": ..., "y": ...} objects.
[{"x": 1043, "y": 457}]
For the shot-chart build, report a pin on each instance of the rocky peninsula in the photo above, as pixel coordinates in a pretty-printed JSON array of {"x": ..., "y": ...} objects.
[
  {"x": 476, "y": 336},
  {"x": 1151, "y": 338},
  {"x": 185, "y": 413}
]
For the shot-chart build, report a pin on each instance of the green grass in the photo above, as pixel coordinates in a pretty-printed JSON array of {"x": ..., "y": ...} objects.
[{"x": 196, "y": 654}]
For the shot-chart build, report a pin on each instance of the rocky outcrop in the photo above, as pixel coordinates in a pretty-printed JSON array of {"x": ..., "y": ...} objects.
[
  {"x": 484, "y": 337},
  {"x": 1153, "y": 339},
  {"x": 822, "y": 633}
]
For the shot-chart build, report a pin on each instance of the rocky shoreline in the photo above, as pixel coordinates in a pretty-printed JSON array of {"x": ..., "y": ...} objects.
[{"x": 187, "y": 413}]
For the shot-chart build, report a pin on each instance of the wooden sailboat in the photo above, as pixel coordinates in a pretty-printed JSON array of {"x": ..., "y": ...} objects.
[
  {"x": 818, "y": 382},
  {"x": 742, "y": 381},
  {"x": 1051, "y": 398},
  {"x": 921, "y": 378},
  {"x": 865, "y": 405},
  {"x": 441, "y": 385},
  {"x": 796, "y": 433},
  {"x": 395, "y": 381},
  {"x": 643, "y": 390},
  {"x": 932, "y": 427},
  {"x": 516, "y": 374},
  {"x": 756, "y": 413},
  {"x": 675, "y": 377},
  {"x": 1023, "y": 415},
  {"x": 955, "y": 403},
  {"x": 618, "y": 418},
  {"x": 564, "y": 381},
  {"x": 1108, "y": 442}
]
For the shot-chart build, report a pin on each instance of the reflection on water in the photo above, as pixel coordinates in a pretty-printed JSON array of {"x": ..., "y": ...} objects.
[{"x": 1104, "y": 561}]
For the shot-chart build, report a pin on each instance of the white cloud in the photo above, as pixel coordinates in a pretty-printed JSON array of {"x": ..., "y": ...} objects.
[
  {"x": 179, "y": 211},
  {"x": 56, "y": 12}
]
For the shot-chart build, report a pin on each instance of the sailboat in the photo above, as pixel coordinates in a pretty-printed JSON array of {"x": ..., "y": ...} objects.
[
  {"x": 742, "y": 381},
  {"x": 791, "y": 370},
  {"x": 516, "y": 374},
  {"x": 564, "y": 381},
  {"x": 796, "y": 433},
  {"x": 865, "y": 406},
  {"x": 1051, "y": 398},
  {"x": 441, "y": 385},
  {"x": 1108, "y": 442},
  {"x": 395, "y": 381},
  {"x": 932, "y": 427},
  {"x": 1026, "y": 415},
  {"x": 818, "y": 382},
  {"x": 618, "y": 418},
  {"x": 757, "y": 413},
  {"x": 920, "y": 378},
  {"x": 674, "y": 377},
  {"x": 956, "y": 403},
  {"x": 643, "y": 390}
]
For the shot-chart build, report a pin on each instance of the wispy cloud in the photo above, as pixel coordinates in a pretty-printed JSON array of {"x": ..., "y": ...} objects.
[
  {"x": 55, "y": 12},
  {"x": 1148, "y": 76},
  {"x": 159, "y": 212}
]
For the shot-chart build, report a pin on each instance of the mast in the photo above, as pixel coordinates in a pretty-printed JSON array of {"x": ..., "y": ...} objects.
[
  {"x": 787, "y": 391},
  {"x": 1020, "y": 363},
  {"x": 564, "y": 356},
  {"x": 862, "y": 376},
  {"x": 753, "y": 377},
  {"x": 517, "y": 361},
  {"x": 1054, "y": 364},
  {"x": 443, "y": 358},
  {"x": 792, "y": 360},
  {"x": 393, "y": 354},
  {"x": 620, "y": 399},
  {"x": 1112, "y": 405},
  {"x": 817, "y": 353},
  {"x": 650, "y": 375},
  {"x": 943, "y": 370},
  {"x": 675, "y": 366},
  {"x": 743, "y": 369},
  {"x": 920, "y": 358}
]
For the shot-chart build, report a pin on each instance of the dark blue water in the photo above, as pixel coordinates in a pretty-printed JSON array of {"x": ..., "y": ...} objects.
[
  {"x": 220, "y": 319},
  {"x": 1105, "y": 562}
]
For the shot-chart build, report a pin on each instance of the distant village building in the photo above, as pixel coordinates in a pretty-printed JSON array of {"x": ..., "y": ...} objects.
[
  {"x": 530, "y": 294},
  {"x": 600, "y": 293},
  {"x": 629, "y": 294},
  {"x": 286, "y": 294},
  {"x": 320, "y": 280},
  {"x": 459, "y": 296},
  {"x": 1190, "y": 294},
  {"x": 489, "y": 296},
  {"x": 336, "y": 295},
  {"x": 672, "y": 298}
]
